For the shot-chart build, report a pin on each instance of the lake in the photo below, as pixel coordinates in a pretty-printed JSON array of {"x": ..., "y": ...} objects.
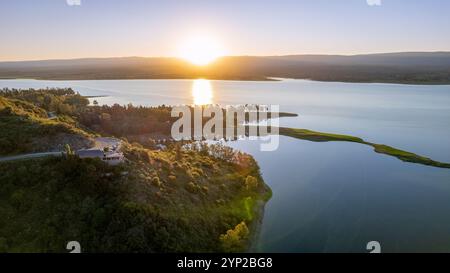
[{"x": 328, "y": 197}]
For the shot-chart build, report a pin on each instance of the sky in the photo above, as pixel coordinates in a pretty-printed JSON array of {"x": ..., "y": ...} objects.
[{"x": 62, "y": 29}]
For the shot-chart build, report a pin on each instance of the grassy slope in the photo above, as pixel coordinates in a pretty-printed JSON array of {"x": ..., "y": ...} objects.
[
  {"x": 379, "y": 148},
  {"x": 26, "y": 128}
]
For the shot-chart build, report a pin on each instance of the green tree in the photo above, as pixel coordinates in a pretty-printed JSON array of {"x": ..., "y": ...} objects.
[
  {"x": 251, "y": 183},
  {"x": 235, "y": 240},
  {"x": 68, "y": 150}
]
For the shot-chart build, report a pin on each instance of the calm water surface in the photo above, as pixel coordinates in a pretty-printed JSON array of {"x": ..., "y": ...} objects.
[{"x": 329, "y": 197}]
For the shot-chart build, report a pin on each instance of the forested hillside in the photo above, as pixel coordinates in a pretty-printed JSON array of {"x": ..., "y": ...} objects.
[{"x": 185, "y": 198}]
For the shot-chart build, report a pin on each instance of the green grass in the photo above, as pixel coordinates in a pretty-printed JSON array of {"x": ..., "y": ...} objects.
[
  {"x": 378, "y": 148},
  {"x": 317, "y": 136},
  {"x": 407, "y": 156}
]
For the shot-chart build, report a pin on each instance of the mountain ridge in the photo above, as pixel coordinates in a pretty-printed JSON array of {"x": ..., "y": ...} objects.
[{"x": 397, "y": 67}]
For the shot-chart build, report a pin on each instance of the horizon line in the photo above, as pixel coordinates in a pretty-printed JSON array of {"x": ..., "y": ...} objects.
[{"x": 225, "y": 56}]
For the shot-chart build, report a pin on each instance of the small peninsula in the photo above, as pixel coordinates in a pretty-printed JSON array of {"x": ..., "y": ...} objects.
[{"x": 378, "y": 148}]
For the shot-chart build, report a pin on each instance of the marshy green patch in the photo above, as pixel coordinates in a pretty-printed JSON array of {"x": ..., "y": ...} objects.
[{"x": 378, "y": 148}]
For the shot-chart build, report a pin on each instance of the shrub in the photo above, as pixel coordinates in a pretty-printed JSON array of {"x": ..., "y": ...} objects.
[
  {"x": 156, "y": 182},
  {"x": 192, "y": 187},
  {"x": 172, "y": 178},
  {"x": 235, "y": 239},
  {"x": 251, "y": 183}
]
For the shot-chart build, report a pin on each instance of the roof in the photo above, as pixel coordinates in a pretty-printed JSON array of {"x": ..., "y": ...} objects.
[
  {"x": 90, "y": 153},
  {"x": 114, "y": 155}
]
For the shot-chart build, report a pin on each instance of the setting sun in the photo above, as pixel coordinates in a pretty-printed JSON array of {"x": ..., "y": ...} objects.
[{"x": 201, "y": 50}]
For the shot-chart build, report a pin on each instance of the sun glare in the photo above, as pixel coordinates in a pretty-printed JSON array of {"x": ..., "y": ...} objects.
[
  {"x": 201, "y": 50},
  {"x": 202, "y": 92}
]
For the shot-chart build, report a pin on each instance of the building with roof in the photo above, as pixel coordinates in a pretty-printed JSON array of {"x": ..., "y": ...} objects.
[{"x": 112, "y": 158}]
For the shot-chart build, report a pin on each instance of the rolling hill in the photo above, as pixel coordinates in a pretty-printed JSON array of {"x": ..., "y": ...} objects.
[{"x": 408, "y": 67}]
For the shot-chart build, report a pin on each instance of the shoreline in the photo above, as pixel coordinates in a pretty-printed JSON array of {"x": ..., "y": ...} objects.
[
  {"x": 266, "y": 79},
  {"x": 255, "y": 227}
]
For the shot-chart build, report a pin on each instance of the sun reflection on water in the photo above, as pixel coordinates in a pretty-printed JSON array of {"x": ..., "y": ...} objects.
[{"x": 202, "y": 92}]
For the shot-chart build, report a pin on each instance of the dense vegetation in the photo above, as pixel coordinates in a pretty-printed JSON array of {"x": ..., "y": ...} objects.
[
  {"x": 141, "y": 124},
  {"x": 191, "y": 198},
  {"x": 135, "y": 123},
  {"x": 159, "y": 202},
  {"x": 26, "y": 127},
  {"x": 61, "y": 101}
]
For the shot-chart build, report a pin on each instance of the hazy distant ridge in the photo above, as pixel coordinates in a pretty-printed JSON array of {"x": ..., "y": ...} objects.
[{"x": 408, "y": 67}]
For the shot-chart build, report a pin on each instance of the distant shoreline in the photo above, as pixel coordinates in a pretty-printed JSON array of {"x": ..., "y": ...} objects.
[
  {"x": 415, "y": 68},
  {"x": 94, "y": 97},
  {"x": 268, "y": 79}
]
